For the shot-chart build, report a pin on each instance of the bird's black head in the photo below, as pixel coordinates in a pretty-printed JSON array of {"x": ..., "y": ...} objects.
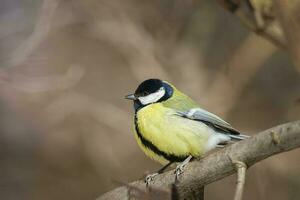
[
  {"x": 150, "y": 91},
  {"x": 148, "y": 87}
]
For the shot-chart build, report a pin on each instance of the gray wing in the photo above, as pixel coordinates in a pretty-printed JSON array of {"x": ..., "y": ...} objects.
[{"x": 212, "y": 121}]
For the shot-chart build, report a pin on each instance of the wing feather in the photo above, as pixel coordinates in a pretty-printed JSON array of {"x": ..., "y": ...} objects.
[{"x": 209, "y": 119}]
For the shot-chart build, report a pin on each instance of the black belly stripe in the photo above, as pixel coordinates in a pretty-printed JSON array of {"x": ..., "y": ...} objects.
[{"x": 152, "y": 147}]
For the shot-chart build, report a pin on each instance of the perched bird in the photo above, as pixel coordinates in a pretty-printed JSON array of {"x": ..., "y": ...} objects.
[{"x": 170, "y": 127}]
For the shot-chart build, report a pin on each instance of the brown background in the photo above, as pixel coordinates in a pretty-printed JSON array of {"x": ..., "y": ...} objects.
[{"x": 65, "y": 129}]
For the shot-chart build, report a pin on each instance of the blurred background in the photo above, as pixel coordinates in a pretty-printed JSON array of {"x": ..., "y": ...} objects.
[{"x": 65, "y": 66}]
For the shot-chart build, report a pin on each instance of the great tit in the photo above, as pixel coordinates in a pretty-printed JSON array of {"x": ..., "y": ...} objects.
[{"x": 170, "y": 127}]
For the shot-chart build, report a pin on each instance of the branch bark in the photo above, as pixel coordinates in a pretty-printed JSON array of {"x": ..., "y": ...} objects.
[{"x": 219, "y": 164}]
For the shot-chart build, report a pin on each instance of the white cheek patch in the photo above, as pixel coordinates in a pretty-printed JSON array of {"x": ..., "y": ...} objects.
[{"x": 152, "y": 98}]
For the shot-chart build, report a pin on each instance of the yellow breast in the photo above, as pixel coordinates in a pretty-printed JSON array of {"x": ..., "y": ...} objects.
[{"x": 164, "y": 136}]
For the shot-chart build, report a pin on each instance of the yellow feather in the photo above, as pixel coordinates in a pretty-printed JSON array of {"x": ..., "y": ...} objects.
[
  {"x": 170, "y": 133},
  {"x": 179, "y": 101}
]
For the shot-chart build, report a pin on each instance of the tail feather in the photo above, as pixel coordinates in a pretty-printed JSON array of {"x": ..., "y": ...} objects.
[{"x": 239, "y": 137}]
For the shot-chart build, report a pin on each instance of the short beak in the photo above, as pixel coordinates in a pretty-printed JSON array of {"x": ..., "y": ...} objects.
[{"x": 130, "y": 97}]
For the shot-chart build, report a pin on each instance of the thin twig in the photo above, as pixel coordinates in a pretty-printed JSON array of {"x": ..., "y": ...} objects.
[
  {"x": 271, "y": 31},
  {"x": 241, "y": 177},
  {"x": 288, "y": 16},
  {"x": 40, "y": 32}
]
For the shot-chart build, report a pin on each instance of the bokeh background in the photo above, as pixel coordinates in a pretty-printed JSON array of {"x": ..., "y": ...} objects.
[{"x": 65, "y": 66}]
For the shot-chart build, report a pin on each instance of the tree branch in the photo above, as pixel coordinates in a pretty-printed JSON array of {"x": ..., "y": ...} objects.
[
  {"x": 259, "y": 17},
  {"x": 241, "y": 176},
  {"x": 288, "y": 16},
  {"x": 219, "y": 164}
]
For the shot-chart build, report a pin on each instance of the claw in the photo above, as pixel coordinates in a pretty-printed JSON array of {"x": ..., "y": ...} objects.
[
  {"x": 150, "y": 178},
  {"x": 179, "y": 170}
]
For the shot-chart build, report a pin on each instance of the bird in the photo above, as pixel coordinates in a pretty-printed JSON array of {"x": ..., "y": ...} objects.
[{"x": 170, "y": 127}]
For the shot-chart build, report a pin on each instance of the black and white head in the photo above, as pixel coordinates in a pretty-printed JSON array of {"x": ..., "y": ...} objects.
[{"x": 150, "y": 91}]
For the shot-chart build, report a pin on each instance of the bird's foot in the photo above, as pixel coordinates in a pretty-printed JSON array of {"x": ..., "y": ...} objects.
[
  {"x": 150, "y": 178},
  {"x": 180, "y": 168}
]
